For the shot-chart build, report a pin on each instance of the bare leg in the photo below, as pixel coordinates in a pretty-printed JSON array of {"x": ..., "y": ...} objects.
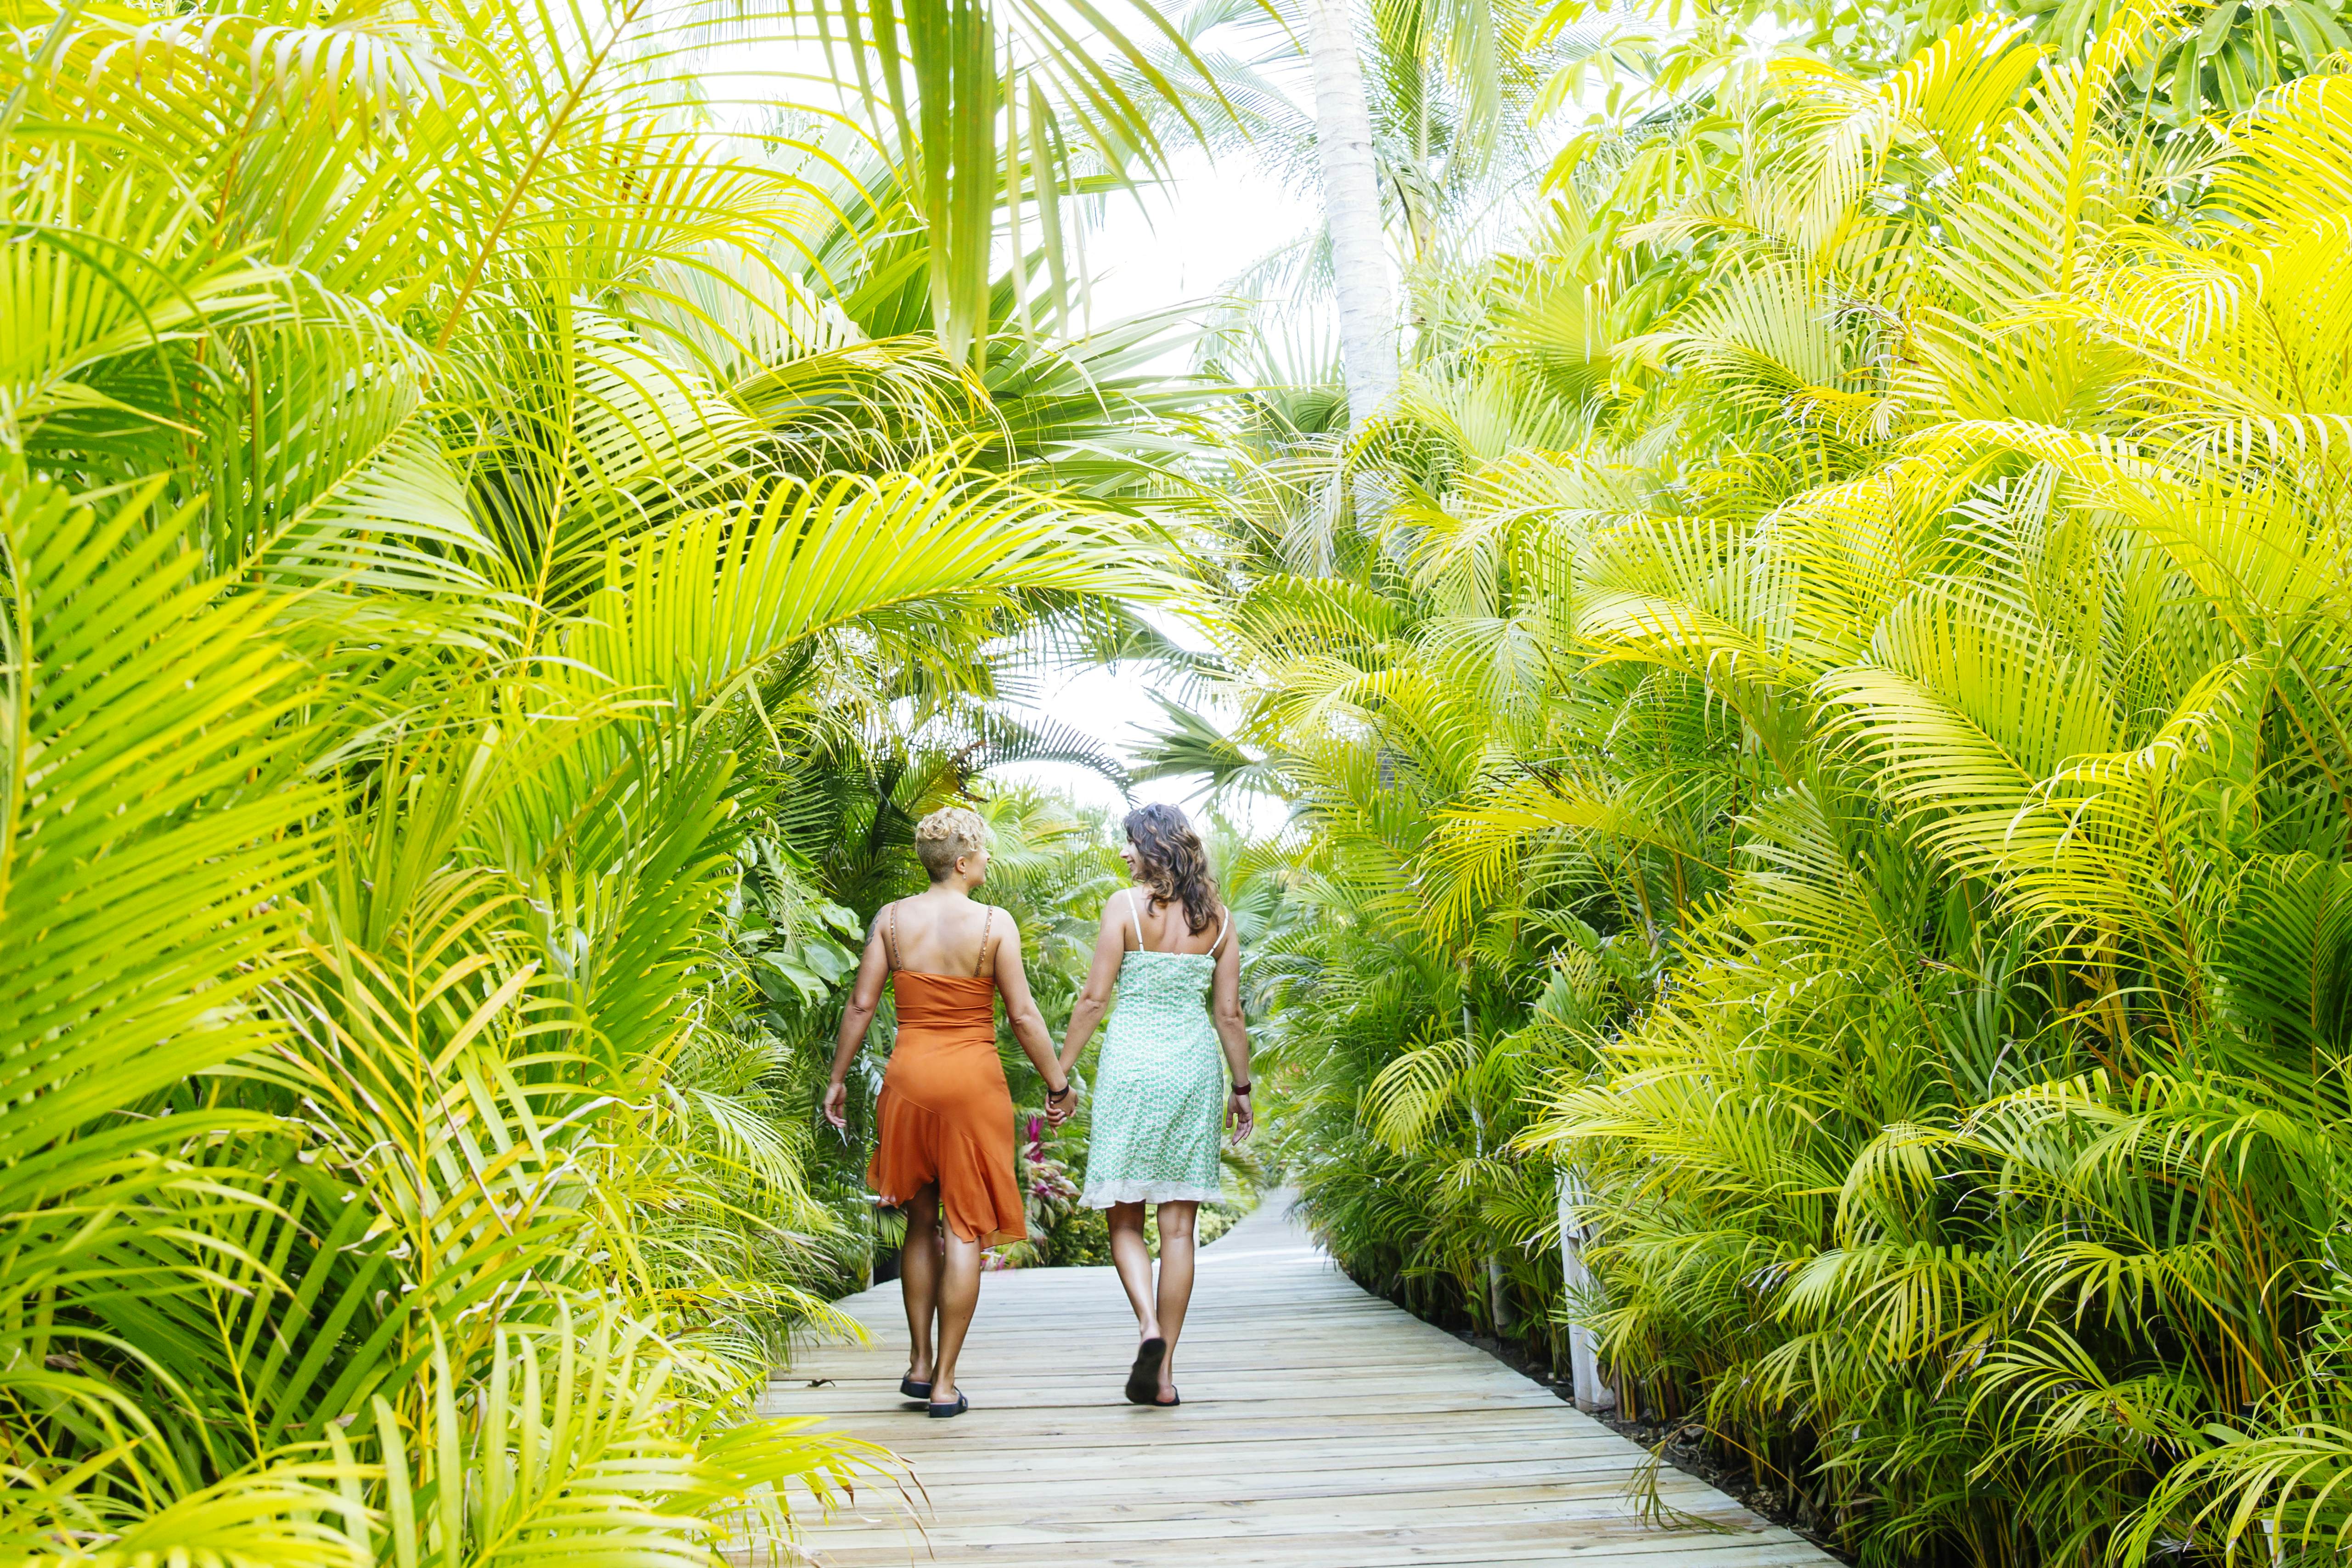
[
  {"x": 1132, "y": 1254},
  {"x": 1176, "y": 1222},
  {"x": 918, "y": 1279},
  {"x": 958, "y": 1297}
]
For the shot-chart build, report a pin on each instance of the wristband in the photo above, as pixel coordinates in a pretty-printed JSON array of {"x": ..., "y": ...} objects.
[
  {"x": 1241, "y": 1088},
  {"x": 1057, "y": 1094}
]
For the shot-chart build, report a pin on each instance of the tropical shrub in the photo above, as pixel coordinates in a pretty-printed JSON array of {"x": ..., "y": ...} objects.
[
  {"x": 1826, "y": 730},
  {"x": 435, "y": 456}
]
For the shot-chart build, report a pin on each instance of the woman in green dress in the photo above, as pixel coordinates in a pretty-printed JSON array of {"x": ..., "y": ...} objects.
[{"x": 1168, "y": 949}]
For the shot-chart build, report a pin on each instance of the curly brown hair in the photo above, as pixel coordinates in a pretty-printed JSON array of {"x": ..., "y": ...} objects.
[{"x": 1171, "y": 863}]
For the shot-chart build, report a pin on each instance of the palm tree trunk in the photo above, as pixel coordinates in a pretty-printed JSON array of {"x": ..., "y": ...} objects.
[
  {"x": 1351, "y": 210},
  {"x": 1584, "y": 1367}
]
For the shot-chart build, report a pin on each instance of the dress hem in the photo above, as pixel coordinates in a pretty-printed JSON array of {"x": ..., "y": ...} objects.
[{"x": 1104, "y": 1196}]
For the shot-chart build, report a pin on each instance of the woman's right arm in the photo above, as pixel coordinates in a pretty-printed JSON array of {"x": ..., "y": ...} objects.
[
  {"x": 1102, "y": 978},
  {"x": 865, "y": 997}
]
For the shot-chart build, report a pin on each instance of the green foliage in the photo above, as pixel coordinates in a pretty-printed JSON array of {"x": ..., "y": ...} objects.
[
  {"x": 1817, "y": 713},
  {"x": 445, "y": 510}
]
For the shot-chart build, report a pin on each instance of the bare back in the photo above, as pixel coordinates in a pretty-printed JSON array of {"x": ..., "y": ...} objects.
[
  {"x": 937, "y": 934},
  {"x": 1162, "y": 927}
]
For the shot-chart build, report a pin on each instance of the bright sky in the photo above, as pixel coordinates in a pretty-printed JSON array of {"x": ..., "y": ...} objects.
[
  {"x": 1186, "y": 239},
  {"x": 1181, "y": 243}
]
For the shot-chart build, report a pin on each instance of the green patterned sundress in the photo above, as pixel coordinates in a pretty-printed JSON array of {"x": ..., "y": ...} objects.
[{"x": 1159, "y": 1085}]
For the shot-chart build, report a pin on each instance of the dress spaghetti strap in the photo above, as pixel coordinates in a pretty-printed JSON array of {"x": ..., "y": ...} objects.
[
  {"x": 1135, "y": 917},
  {"x": 1224, "y": 920},
  {"x": 890, "y": 940},
  {"x": 986, "y": 920}
]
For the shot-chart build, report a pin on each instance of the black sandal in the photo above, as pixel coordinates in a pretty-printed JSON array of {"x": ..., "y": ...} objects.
[
  {"x": 913, "y": 1390},
  {"x": 1167, "y": 1404},
  {"x": 1143, "y": 1377},
  {"x": 950, "y": 1412}
]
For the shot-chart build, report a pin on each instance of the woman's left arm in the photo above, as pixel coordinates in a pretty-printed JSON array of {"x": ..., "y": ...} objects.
[
  {"x": 1232, "y": 1032},
  {"x": 1028, "y": 1022}
]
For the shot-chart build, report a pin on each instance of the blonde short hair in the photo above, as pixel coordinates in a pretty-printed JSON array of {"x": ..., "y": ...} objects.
[{"x": 946, "y": 835}]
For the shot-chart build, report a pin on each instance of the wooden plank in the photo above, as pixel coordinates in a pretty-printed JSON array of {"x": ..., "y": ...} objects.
[{"x": 1322, "y": 1429}]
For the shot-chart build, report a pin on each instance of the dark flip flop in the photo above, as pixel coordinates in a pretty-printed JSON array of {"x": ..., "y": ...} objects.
[
  {"x": 913, "y": 1390},
  {"x": 950, "y": 1412},
  {"x": 1168, "y": 1404},
  {"x": 1143, "y": 1377}
]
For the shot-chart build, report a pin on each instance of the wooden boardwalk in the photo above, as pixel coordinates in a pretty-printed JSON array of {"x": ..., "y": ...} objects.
[{"x": 1321, "y": 1427}]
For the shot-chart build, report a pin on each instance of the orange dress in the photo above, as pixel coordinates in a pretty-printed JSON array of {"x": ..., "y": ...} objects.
[{"x": 945, "y": 1113}]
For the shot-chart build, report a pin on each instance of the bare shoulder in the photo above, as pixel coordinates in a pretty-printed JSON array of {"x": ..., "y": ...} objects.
[{"x": 1001, "y": 936}]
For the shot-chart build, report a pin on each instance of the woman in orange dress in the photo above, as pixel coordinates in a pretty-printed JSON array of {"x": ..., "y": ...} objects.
[{"x": 945, "y": 1115}]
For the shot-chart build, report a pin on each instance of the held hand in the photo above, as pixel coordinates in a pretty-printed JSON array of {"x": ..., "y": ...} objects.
[
  {"x": 837, "y": 1105},
  {"x": 1238, "y": 1118},
  {"x": 1060, "y": 1110}
]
